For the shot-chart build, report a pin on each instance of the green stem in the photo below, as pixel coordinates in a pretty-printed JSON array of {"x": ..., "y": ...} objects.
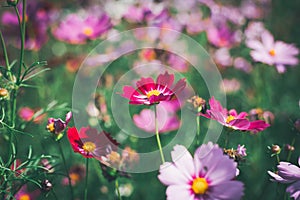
[
  {"x": 277, "y": 158},
  {"x": 290, "y": 152},
  {"x": 86, "y": 178},
  {"x": 4, "y": 50},
  {"x": 198, "y": 130},
  {"x": 118, "y": 190},
  {"x": 157, "y": 135},
  {"x": 66, "y": 169}
]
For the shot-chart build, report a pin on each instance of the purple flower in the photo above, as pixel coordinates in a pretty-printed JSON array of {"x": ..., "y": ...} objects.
[
  {"x": 209, "y": 175},
  {"x": 167, "y": 119},
  {"x": 241, "y": 150},
  {"x": 39, "y": 15},
  {"x": 75, "y": 29},
  {"x": 220, "y": 35},
  {"x": 57, "y": 126},
  {"x": 289, "y": 173},
  {"x": 24, "y": 193},
  {"x": 270, "y": 52}
]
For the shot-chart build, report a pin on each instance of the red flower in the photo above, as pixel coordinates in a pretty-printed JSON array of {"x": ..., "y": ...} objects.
[
  {"x": 150, "y": 93},
  {"x": 91, "y": 144},
  {"x": 232, "y": 119}
]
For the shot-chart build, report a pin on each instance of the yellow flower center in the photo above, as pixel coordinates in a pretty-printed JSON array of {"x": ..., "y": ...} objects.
[
  {"x": 24, "y": 197},
  {"x": 199, "y": 185},
  {"x": 272, "y": 52},
  {"x": 229, "y": 119},
  {"x": 89, "y": 147},
  {"x": 153, "y": 92},
  {"x": 88, "y": 31},
  {"x": 50, "y": 127}
]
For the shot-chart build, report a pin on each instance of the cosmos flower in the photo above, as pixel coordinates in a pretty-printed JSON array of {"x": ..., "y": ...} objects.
[
  {"x": 57, "y": 126},
  {"x": 27, "y": 114},
  {"x": 273, "y": 52},
  {"x": 288, "y": 173},
  {"x": 148, "y": 92},
  {"x": 232, "y": 119},
  {"x": 209, "y": 175},
  {"x": 75, "y": 29},
  {"x": 220, "y": 35},
  {"x": 76, "y": 174},
  {"x": 23, "y": 193},
  {"x": 91, "y": 144},
  {"x": 167, "y": 119}
]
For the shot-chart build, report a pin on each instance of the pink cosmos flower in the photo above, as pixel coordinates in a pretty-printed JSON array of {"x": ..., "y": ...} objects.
[
  {"x": 23, "y": 193},
  {"x": 167, "y": 119},
  {"x": 289, "y": 173},
  {"x": 232, "y": 119},
  {"x": 220, "y": 35},
  {"x": 209, "y": 175},
  {"x": 273, "y": 52},
  {"x": 75, "y": 29},
  {"x": 178, "y": 63},
  {"x": 27, "y": 114},
  {"x": 57, "y": 126},
  {"x": 148, "y": 92}
]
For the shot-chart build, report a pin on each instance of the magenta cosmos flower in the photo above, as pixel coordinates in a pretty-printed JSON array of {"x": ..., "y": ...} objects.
[
  {"x": 76, "y": 29},
  {"x": 270, "y": 52},
  {"x": 91, "y": 144},
  {"x": 289, "y": 173},
  {"x": 209, "y": 175},
  {"x": 232, "y": 119},
  {"x": 148, "y": 92}
]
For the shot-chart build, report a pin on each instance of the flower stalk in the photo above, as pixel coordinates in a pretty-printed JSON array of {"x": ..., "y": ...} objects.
[{"x": 157, "y": 135}]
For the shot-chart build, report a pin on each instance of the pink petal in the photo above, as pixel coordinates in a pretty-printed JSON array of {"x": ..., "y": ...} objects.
[
  {"x": 145, "y": 85},
  {"x": 169, "y": 174},
  {"x": 179, "y": 192},
  {"x": 240, "y": 124},
  {"x": 165, "y": 79},
  {"x": 180, "y": 85},
  {"x": 228, "y": 190},
  {"x": 183, "y": 160},
  {"x": 267, "y": 40}
]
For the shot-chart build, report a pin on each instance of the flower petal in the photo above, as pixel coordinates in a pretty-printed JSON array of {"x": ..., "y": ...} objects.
[
  {"x": 228, "y": 190},
  {"x": 179, "y": 192},
  {"x": 169, "y": 174}
]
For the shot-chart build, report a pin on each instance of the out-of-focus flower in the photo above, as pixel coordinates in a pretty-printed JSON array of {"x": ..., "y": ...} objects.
[
  {"x": 273, "y": 52},
  {"x": 41, "y": 15},
  {"x": 76, "y": 174},
  {"x": 209, "y": 175},
  {"x": 149, "y": 93},
  {"x": 27, "y": 114},
  {"x": 76, "y": 29},
  {"x": 178, "y": 63},
  {"x": 47, "y": 165},
  {"x": 289, "y": 147},
  {"x": 73, "y": 64},
  {"x": 57, "y": 126},
  {"x": 258, "y": 113},
  {"x": 232, "y": 119},
  {"x": 288, "y": 173},
  {"x": 297, "y": 125},
  {"x": 242, "y": 64},
  {"x": 250, "y": 10},
  {"x": 222, "y": 57},
  {"x": 147, "y": 54},
  {"x": 241, "y": 150},
  {"x": 91, "y": 144},
  {"x": 254, "y": 30},
  {"x": 230, "y": 85},
  {"x": 193, "y": 22},
  {"x": 221, "y": 36},
  {"x": 126, "y": 189},
  {"x": 167, "y": 120},
  {"x": 25, "y": 194}
]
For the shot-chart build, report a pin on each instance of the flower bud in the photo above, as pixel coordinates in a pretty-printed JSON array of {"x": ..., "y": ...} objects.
[
  {"x": 275, "y": 149},
  {"x": 289, "y": 147},
  {"x": 12, "y": 2},
  {"x": 3, "y": 93},
  {"x": 46, "y": 185}
]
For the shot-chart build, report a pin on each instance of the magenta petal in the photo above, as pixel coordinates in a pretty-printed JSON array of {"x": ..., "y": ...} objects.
[
  {"x": 145, "y": 85},
  {"x": 165, "y": 79},
  {"x": 233, "y": 112},
  {"x": 180, "y": 85},
  {"x": 257, "y": 126},
  {"x": 240, "y": 124}
]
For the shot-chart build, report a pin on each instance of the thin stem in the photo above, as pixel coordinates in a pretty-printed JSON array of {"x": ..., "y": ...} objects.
[
  {"x": 157, "y": 136},
  {"x": 66, "y": 169},
  {"x": 117, "y": 188},
  {"x": 290, "y": 152},
  {"x": 4, "y": 50},
  {"x": 277, "y": 158},
  {"x": 198, "y": 130},
  {"x": 86, "y": 178}
]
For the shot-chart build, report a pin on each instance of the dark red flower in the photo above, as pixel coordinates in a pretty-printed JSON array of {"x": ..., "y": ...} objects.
[
  {"x": 91, "y": 144},
  {"x": 148, "y": 92}
]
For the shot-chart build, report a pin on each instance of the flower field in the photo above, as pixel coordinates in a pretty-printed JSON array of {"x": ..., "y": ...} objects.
[{"x": 138, "y": 99}]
